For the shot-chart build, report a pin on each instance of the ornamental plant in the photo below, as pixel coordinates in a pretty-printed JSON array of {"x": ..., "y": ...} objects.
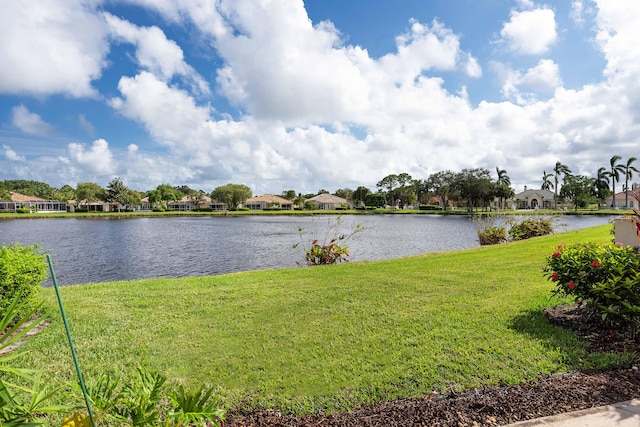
[
  {"x": 148, "y": 400},
  {"x": 24, "y": 397},
  {"x": 605, "y": 277}
]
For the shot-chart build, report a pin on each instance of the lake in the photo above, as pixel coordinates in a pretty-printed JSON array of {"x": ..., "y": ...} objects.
[{"x": 109, "y": 249}]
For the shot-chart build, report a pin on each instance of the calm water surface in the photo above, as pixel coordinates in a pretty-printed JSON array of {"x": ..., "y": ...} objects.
[{"x": 99, "y": 250}]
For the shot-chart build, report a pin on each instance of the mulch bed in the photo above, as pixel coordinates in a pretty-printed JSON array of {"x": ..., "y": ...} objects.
[{"x": 495, "y": 406}]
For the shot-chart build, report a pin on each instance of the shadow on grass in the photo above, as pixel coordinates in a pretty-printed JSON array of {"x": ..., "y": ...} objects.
[{"x": 573, "y": 350}]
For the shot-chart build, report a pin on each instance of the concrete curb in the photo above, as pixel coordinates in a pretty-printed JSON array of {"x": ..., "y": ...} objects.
[{"x": 624, "y": 414}]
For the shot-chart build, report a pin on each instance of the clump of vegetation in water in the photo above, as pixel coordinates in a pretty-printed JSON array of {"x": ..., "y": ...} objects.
[
  {"x": 491, "y": 234},
  {"x": 532, "y": 227},
  {"x": 332, "y": 249}
]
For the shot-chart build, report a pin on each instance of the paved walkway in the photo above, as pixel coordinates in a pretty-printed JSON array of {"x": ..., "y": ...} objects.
[{"x": 625, "y": 414}]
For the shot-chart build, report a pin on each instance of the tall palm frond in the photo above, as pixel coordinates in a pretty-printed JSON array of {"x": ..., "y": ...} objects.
[
  {"x": 547, "y": 184},
  {"x": 628, "y": 174},
  {"x": 615, "y": 172},
  {"x": 559, "y": 169}
]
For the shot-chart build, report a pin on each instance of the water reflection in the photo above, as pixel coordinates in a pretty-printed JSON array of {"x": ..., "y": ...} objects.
[{"x": 98, "y": 250}]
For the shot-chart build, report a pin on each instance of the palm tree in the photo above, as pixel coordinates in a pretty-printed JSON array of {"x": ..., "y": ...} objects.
[
  {"x": 504, "y": 181},
  {"x": 546, "y": 182},
  {"x": 601, "y": 183},
  {"x": 614, "y": 173},
  {"x": 558, "y": 170},
  {"x": 503, "y": 178},
  {"x": 628, "y": 174}
]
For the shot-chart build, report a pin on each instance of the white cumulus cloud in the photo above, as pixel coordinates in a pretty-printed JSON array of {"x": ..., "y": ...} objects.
[
  {"x": 11, "y": 155},
  {"x": 155, "y": 53},
  {"x": 56, "y": 47},
  {"x": 29, "y": 122},
  {"x": 530, "y": 32},
  {"x": 544, "y": 77},
  {"x": 96, "y": 159}
]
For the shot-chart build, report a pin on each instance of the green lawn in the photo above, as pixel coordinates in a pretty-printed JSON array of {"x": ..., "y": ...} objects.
[
  {"x": 378, "y": 211},
  {"x": 329, "y": 338}
]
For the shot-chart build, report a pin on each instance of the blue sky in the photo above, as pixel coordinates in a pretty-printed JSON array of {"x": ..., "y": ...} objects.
[{"x": 285, "y": 94}]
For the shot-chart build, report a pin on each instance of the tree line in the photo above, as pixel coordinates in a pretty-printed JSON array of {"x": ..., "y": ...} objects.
[{"x": 472, "y": 188}]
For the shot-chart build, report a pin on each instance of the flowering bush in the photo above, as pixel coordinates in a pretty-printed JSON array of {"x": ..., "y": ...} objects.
[{"x": 606, "y": 277}]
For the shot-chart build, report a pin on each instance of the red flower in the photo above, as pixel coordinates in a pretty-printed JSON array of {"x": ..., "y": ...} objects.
[
  {"x": 556, "y": 255},
  {"x": 571, "y": 284},
  {"x": 595, "y": 263},
  {"x": 555, "y": 276},
  {"x": 561, "y": 245}
]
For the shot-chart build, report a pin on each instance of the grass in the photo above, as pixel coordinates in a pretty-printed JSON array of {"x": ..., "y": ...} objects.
[
  {"x": 377, "y": 211},
  {"x": 329, "y": 338}
]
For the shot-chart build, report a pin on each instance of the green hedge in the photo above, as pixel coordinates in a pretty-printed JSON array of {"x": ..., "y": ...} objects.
[{"x": 22, "y": 270}]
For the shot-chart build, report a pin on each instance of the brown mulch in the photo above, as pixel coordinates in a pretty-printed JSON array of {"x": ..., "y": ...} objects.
[{"x": 496, "y": 406}]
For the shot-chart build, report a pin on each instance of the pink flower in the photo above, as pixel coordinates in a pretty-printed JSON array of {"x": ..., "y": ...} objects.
[
  {"x": 555, "y": 276},
  {"x": 571, "y": 284},
  {"x": 618, "y": 244},
  {"x": 595, "y": 263},
  {"x": 556, "y": 254}
]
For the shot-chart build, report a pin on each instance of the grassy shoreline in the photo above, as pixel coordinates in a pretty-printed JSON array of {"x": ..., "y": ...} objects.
[
  {"x": 329, "y": 338},
  {"x": 148, "y": 214}
]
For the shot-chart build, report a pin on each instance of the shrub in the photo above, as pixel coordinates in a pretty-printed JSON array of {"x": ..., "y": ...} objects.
[
  {"x": 22, "y": 270},
  {"x": 606, "y": 277},
  {"x": 492, "y": 235},
  {"x": 158, "y": 209},
  {"x": 23, "y": 210},
  {"x": 530, "y": 228},
  {"x": 81, "y": 210},
  {"x": 430, "y": 208}
]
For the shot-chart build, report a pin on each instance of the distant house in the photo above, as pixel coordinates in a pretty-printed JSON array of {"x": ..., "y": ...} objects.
[
  {"x": 94, "y": 206},
  {"x": 534, "y": 199},
  {"x": 268, "y": 201},
  {"x": 329, "y": 201},
  {"x": 622, "y": 196},
  {"x": 35, "y": 204},
  {"x": 186, "y": 204}
]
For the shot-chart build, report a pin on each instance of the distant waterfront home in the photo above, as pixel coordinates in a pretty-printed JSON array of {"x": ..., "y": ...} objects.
[
  {"x": 329, "y": 201},
  {"x": 94, "y": 206},
  {"x": 534, "y": 199},
  {"x": 35, "y": 204},
  {"x": 268, "y": 201},
  {"x": 187, "y": 204},
  {"x": 623, "y": 196}
]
